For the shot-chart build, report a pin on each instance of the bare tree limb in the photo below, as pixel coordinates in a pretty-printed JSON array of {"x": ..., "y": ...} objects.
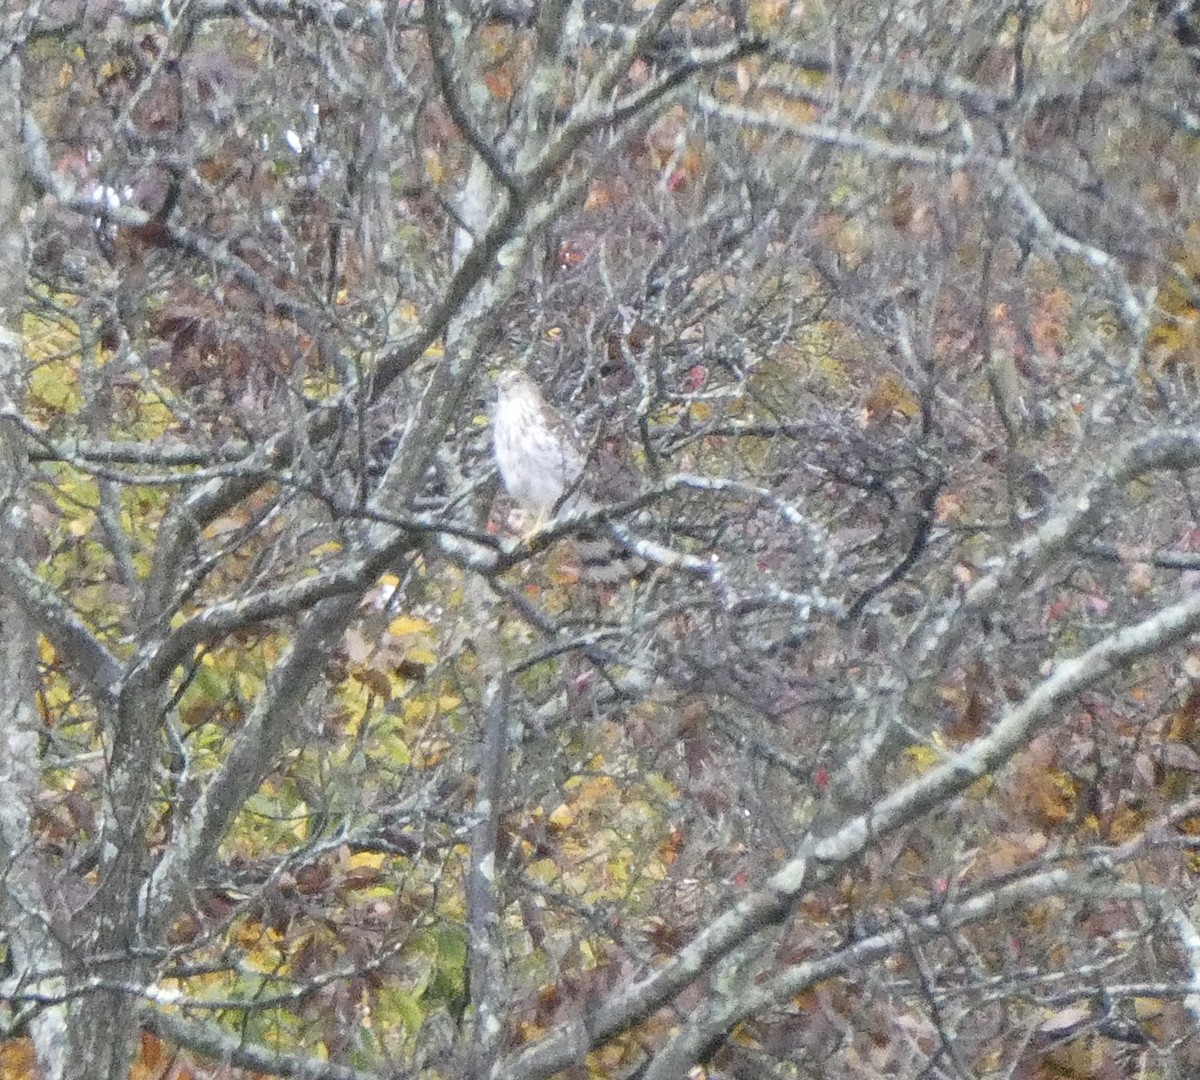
[
  {"x": 484, "y": 904},
  {"x": 100, "y": 671},
  {"x": 819, "y": 858},
  {"x": 220, "y": 1046}
]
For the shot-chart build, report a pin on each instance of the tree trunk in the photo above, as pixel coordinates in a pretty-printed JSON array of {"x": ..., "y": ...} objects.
[{"x": 24, "y": 895}]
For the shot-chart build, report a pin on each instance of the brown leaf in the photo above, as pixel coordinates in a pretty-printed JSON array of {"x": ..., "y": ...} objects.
[
  {"x": 1182, "y": 727},
  {"x": 890, "y": 398},
  {"x": 375, "y": 681}
]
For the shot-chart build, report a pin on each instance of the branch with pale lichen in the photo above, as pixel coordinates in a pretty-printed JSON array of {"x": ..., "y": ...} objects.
[{"x": 818, "y": 859}]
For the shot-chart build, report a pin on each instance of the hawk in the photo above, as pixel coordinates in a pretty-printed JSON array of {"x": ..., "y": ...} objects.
[
  {"x": 542, "y": 460},
  {"x": 538, "y": 451}
]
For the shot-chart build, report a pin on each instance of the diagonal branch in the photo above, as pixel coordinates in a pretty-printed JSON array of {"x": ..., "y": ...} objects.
[
  {"x": 1178, "y": 449},
  {"x": 264, "y": 731},
  {"x": 441, "y": 48},
  {"x": 100, "y": 670},
  {"x": 213, "y": 1042},
  {"x": 688, "y": 1046},
  {"x": 220, "y": 620},
  {"x": 819, "y": 859}
]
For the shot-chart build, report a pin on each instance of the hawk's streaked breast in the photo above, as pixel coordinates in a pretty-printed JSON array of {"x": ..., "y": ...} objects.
[{"x": 536, "y": 449}]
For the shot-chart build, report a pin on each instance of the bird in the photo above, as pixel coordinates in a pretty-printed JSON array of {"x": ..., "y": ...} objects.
[
  {"x": 546, "y": 470},
  {"x": 538, "y": 451}
]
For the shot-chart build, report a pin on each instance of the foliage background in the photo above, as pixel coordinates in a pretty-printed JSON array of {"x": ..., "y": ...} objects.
[{"x": 318, "y": 763}]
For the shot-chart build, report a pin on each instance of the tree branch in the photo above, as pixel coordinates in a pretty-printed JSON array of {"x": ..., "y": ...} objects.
[
  {"x": 818, "y": 859},
  {"x": 682, "y": 1050},
  {"x": 256, "y": 745},
  {"x": 100, "y": 670},
  {"x": 220, "y": 1046},
  {"x": 220, "y": 620},
  {"x": 483, "y": 888}
]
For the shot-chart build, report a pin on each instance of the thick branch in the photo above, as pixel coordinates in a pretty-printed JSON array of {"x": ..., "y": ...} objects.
[
  {"x": 212, "y": 1042},
  {"x": 483, "y": 899},
  {"x": 819, "y": 859},
  {"x": 677, "y": 1057},
  {"x": 264, "y": 731},
  {"x": 100, "y": 670},
  {"x": 220, "y": 620},
  {"x": 1160, "y": 450}
]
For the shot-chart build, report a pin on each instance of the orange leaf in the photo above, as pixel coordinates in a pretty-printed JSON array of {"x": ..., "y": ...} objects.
[{"x": 499, "y": 83}]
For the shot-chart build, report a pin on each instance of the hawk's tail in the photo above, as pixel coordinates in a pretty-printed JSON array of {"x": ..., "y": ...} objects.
[{"x": 604, "y": 560}]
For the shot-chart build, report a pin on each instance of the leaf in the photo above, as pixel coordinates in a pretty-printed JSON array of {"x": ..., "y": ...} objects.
[
  {"x": 499, "y": 83},
  {"x": 80, "y": 525},
  {"x": 1185, "y": 722},
  {"x": 890, "y": 398},
  {"x": 396, "y": 1006},
  {"x": 922, "y": 758},
  {"x": 1052, "y": 796},
  {"x": 17, "y": 1059},
  {"x": 1126, "y": 823},
  {"x": 375, "y": 681},
  {"x": 404, "y": 625},
  {"x": 1065, "y": 1020},
  {"x": 421, "y": 657}
]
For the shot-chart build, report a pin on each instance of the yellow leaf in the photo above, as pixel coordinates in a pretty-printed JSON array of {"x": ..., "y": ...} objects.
[
  {"x": 890, "y": 397},
  {"x": 54, "y": 385},
  {"x": 82, "y": 525},
  {"x": 1147, "y": 1008},
  {"x": 922, "y": 757},
  {"x": 406, "y": 624},
  {"x": 597, "y": 787},
  {"x": 17, "y": 1059},
  {"x": 1126, "y": 823},
  {"x": 46, "y": 651},
  {"x": 416, "y": 710},
  {"x": 435, "y": 170},
  {"x": 57, "y": 697},
  {"x": 253, "y": 935},
  {"x": 1052, "y": 796},
  {"x": 563, "y": 817},
  {"x": 743, "y": 1036}
]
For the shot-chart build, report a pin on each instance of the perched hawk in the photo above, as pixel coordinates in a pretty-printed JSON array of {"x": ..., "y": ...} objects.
[
  {"x": 542, "y": 460},
  {"x": 538, "y": 452}
]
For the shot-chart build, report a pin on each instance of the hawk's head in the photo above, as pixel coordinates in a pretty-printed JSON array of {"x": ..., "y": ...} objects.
[{"x": 511, "y": 381}]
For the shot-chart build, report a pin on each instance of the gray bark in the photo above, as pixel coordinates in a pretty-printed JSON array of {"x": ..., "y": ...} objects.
[{"x": 23, "y": 883}]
